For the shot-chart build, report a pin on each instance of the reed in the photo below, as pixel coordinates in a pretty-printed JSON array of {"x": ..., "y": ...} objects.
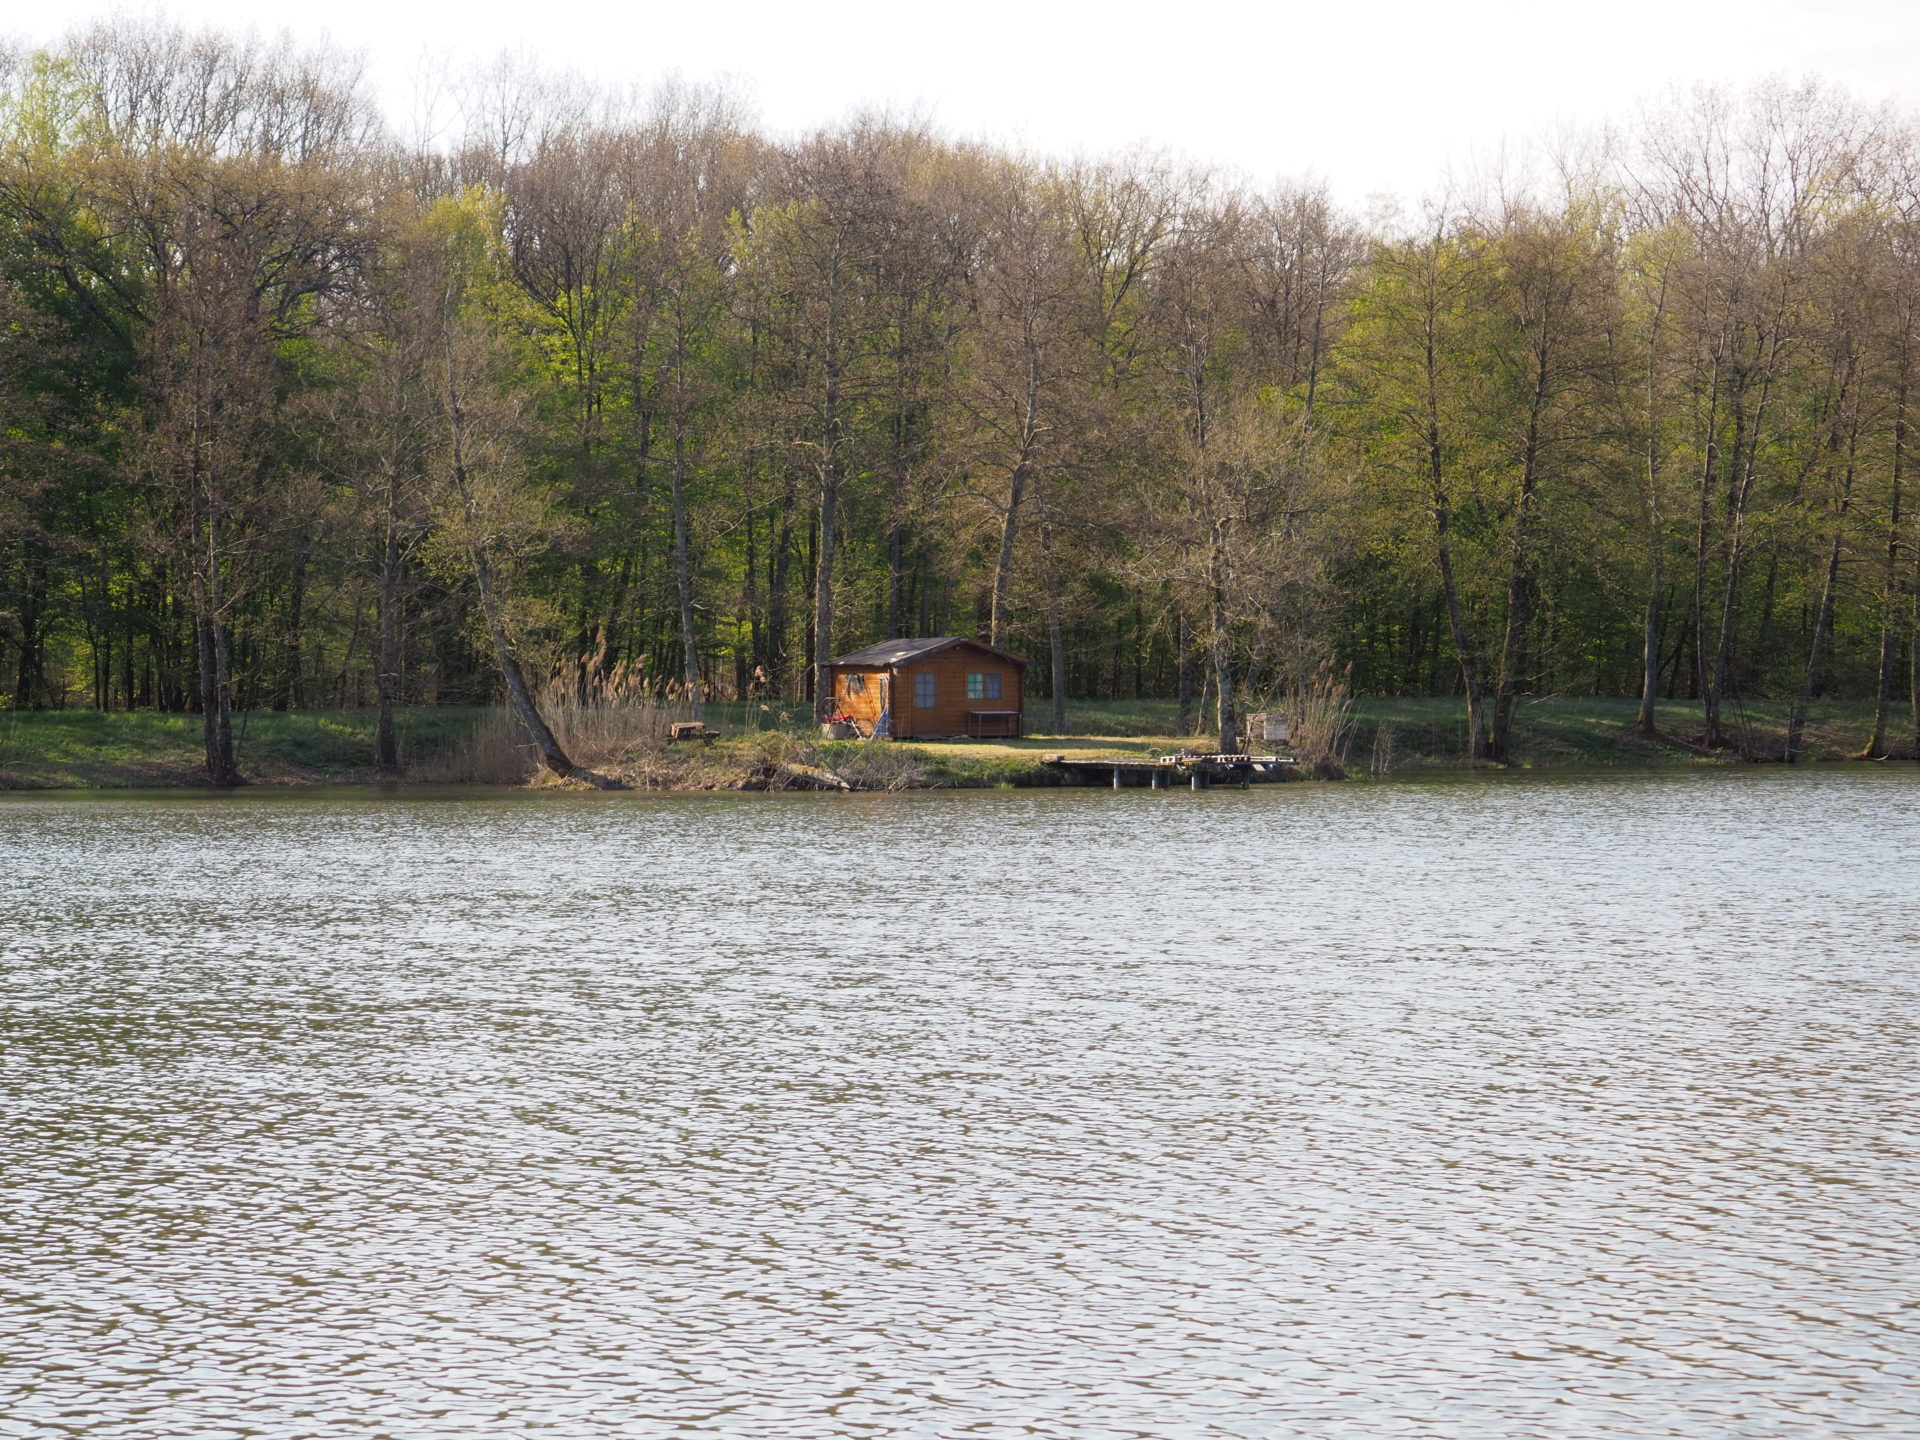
[
  {"x": 1323, "y": 727},
  {"x": 619, "y": 721}
]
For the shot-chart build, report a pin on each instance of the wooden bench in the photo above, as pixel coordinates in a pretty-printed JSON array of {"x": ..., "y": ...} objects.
[{"x": 993, "y": 724}]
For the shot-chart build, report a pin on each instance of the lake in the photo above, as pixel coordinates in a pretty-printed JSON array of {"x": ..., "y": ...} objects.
[{"x": 1508, "y": 1108}]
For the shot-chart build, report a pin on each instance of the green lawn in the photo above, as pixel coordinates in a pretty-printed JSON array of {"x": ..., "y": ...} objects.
[
  {"x": 85, "y": 749},
  {"x": 1408, "y": 734}
]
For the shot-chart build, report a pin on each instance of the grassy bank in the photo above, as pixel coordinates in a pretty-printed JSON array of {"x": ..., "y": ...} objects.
[
  {"x": 89, "y": 749},
  {"x": 82, "y": 749}
]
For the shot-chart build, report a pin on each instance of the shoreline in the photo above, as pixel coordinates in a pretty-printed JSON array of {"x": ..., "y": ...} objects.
[{"x": 81, "y": 751}]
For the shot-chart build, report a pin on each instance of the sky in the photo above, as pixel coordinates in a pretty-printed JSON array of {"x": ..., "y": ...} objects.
[{"x": 1376, "y": 99}]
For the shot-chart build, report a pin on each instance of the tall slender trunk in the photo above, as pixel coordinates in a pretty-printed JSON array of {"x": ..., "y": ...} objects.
[
  {"x": 896, "y": 576},
  {"x": 1823, "y": 617},
  {"x": 1647, "y": 723},
  {"x": 823, "y": 599},
  {"x": 755, "y": 658},
  {"x": 30, "y": 677},
  {"x": 1732, "y": 558},
  {"x": 386, "y": 649},
  {"x": 1816, "y": 654},
  {"x": 1139, "y": 648},
  {"x": 1913, "y": 657},
  {"x": 1702, "y": 546},
  {"x": 683, "y": 573},
  {"x": 1648, "y": 720},
  {"x": 1521, "y": 584},
  {"x": 1890, "y": 586},
  {"x": 1183, "y": 645},
  {"x": 779, "y": 621},
  {"x": 1056, "y": 636},
  {"x": 292, "y": 693},
  {"x": 1017, "y": 478},
  {"x": 829, "y": 536},
  {"x": 1703, "y": 529},
  {"x": 1457, "y": 622},
  {"x": 1740, "y": 482},
  {"x": 210, "y": 635},
  {"x": 1003, "y": 563},
  {"x": 899, "y": 476},
  {"x": 1441, "y": 510},
  {"x": 1220, "y": 644}
]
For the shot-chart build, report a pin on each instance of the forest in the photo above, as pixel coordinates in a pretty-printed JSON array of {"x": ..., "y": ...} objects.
[{"x": 614, "y": 392}]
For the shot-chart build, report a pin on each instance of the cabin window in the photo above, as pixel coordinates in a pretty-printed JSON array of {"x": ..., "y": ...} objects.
[
  {"x": 923, "y": 690},
  {"x": 856, "y": 684},
  {"x": 983, "y": 687}
]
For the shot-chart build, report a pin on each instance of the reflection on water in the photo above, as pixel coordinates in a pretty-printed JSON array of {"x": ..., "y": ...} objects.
[{"x": 1485, "y": 1110}]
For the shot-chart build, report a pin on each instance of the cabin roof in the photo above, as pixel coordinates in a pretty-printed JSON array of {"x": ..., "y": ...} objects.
[{"x": 904, "y": 652}]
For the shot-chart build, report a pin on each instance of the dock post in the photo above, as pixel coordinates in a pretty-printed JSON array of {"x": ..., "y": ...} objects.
[
  {"x": 1116, "y": 777},
  {"x": 1198, "y": 783}
]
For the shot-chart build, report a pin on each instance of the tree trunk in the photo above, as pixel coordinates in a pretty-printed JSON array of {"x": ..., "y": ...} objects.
[
  {"x": 779, "y": 621},
  {"x": 1702, "y": 681},
  {"x": 1220, "y": 644},
  {"x": 551, "y": 754},
  {"x": 1056, "y": 638},
  {"x": 1733, "y": 556},
  {"x": 1816, "y": 653},
  {"x": 1522, "y": 589},
  {"x": 556, "y": 759},
  {"x": 386, "y": 646},
  {"x": 1457, "y": 628},
  {"x": 899, "y": 478},
  {"x": 1223, "y": 689},
  {"x": 30, "y": 612},
  {"x": 1442, "y": 511},
  {"x": 683, "y": 576},
  {"x": 1746, "y": 443},
  {"x": 292, "y": 694},
  {"x": 216, "y": 681},
  {"x": 1648, "y": 720},
  {"x": 1647, "y": 723},
  {"x": 1183, "y": 643},
  {"x": 1890, "y": 591},
  {"x": 823, "y": 563},
  {"x": 896, "y": 574},
  {"x": 1003, "y": 563}
]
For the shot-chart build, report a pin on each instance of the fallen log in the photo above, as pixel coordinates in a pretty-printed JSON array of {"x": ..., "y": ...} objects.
[{"x": 785, "y": 775}]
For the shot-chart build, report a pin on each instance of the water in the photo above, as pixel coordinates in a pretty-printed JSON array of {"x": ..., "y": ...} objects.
[{"x": 1511, "y": 1109}]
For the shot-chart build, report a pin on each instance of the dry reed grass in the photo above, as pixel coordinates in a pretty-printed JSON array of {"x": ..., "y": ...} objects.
[
  {"x": 884, "y": 766},
  {"x": 1323, "y": 728},
  {"x": 616, "y": 723}
]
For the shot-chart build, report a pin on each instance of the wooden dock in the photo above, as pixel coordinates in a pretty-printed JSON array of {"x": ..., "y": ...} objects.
[{"x": 1195, "y": 772}]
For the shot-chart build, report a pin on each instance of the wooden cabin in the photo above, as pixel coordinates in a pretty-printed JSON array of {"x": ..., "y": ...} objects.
[{"x": 948, "y": 687}]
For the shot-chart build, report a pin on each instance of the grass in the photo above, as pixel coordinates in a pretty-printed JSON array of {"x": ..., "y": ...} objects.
[
  {"x": 1598, "y": 731},
  {"x": 91, "y": 749},
  {"x": 85, "y": 749}
]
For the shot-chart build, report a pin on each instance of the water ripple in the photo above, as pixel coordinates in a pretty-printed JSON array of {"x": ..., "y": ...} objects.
[{"x": 1539, "y": 1109}]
